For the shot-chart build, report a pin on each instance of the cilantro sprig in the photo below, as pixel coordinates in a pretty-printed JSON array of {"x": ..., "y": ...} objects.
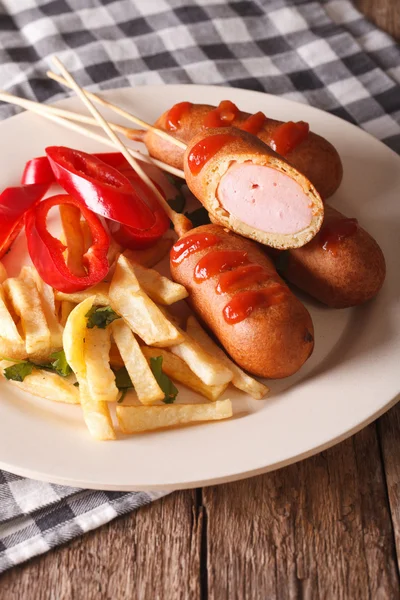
[
  {"x": 59, "y": 364},
  {"x": 170, "y": 391},
  {"x": 23, "y": 368},
  {"x": 100, "y": 316},
  {"x": 123, "y": 382},
  {"x": 19, "y": 371}
]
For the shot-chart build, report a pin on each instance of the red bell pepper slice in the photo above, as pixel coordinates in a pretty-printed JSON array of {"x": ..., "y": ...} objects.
[
  {"x": 102, "y": 188},
  {"x": 14, "y": 203},
  {"x": 129, "y": 237},
  {"x": 136, "y": 239},
  {"x": 38, "y": 170},
  {"x": 46, "y": 251},
  {"x": 114, "y": 159}
]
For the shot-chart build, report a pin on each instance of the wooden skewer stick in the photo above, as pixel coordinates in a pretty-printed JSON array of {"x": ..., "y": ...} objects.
[
  {"x": 122, "y": 112},
  {"x": 60, "y": 112},
  {"x": 180, "y": 222},
  {"x": 43, "y": 110}
]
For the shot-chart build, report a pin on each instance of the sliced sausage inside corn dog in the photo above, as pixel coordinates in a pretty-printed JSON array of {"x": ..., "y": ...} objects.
[
  {"x": 342, "y": 266},
  {"x": 234, "y": 287},
  {"x": 308, "y": 152},
  {"x": 250, "y": 189}
]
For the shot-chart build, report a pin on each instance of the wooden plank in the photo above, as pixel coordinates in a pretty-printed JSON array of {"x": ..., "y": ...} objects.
[
  {"x": 389, "y": 433},
  {"x": 151, "y": 553},
  {"x": 384, "y": 13},
  {"x": 318, "y": 529}
]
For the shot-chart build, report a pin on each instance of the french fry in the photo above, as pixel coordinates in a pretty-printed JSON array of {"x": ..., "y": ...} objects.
[
  {"x": 151, "y": 256},
  {"x": 87, "y": 235},
  {"x": 11, "y": 343},
  {"x": 207, "y": 367},
  {"x": 24, "y": 297},
  {"x": 143, "y": 316},
  {"x": 99, "y": 292},
  {"x": 46, "y": 295},
  {"x": 159, "y": 288},
  {"x": 130, "y": 399},
  {"x": 96, "y": 414},
  {"x": 3, "y": 273},
  {"x": 46, "y": 384},
  {"x": 99, "y": 376},
  {"x": 144, "y": 382},
  {"x": 240, "y": 380},
  {"x": 177, "y": 369},
  {"x": 74, "y": 240},
  {"x": 138, "y": 419},
  {"x": 113, "y": 253},
  {"x": 66, "y": 308}
]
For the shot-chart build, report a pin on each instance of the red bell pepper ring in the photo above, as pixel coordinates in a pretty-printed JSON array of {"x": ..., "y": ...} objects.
[
  {"x": 38, "y": 170},
  {"x": 136, "y": 239},
  {"x": 102, "y": 188},
  {"x": 14, "y": 203},
  {"x": 114, "y": 159},
  {"x": 46, "y": 251}
]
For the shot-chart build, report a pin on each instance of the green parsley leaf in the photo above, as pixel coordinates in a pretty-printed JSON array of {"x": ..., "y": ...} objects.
[
  {"x": 59, "y": 364},
  {"x": 22, "y": 368},
  {"x": 100, "y": 316},
  {"x": 19, "y": 371},
  {"x": 170, "y": 391},
  {"x": 122, "y": 379},
  {"x": 123, "y": 382},
  {"x": 198, "y": 217}
]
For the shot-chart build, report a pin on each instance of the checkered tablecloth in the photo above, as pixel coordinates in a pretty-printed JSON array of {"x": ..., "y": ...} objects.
[{"x": 322, "y": 53}]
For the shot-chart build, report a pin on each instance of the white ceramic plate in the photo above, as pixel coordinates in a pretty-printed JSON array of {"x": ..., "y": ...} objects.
[{"x": 352, "y": 377}]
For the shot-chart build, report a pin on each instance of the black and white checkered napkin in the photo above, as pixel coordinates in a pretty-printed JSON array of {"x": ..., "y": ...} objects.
[{"x": 322, "y": 53}]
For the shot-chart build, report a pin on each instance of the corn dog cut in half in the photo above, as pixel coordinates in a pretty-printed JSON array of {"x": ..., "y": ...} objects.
[
  {"x": 311, "y": 154},
  {"x": 249, "y": 189}
]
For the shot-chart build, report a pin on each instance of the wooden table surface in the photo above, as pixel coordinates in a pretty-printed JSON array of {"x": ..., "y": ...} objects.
[{"x": 327, "y": 527}]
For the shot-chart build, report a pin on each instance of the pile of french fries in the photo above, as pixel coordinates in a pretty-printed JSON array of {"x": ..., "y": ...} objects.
[{"x": 36, "y": 321}]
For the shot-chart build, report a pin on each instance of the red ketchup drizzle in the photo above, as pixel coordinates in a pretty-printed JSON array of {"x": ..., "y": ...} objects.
[
  {"x": 243, "y": 303},
  {"x": 222, "y": 116},
  {"x": 288, "y": 136},
  {"x": 176, "y": 113},
  {"x": 243, "y": 274},
  {"x": 254, "y": 123},
  {"x": 217, "y": 262},
  {"x": 333, "y": 233},
  {"x": 204, "y": 150},
  {"x": 242, "y": 277},
  {"x": 191, "y": 244}
]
